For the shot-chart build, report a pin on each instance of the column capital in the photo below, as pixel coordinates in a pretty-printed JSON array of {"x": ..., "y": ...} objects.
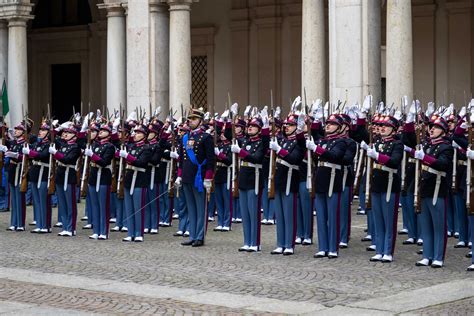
[
  {"x": 17, "y": 11},
  {"x": 179, "y": 5},
  {"x": 158, "y": 6},
  {"x": 113, "y": 7}
]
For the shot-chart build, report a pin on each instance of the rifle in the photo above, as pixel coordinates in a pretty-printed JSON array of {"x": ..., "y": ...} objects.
[
  {"x": 235, "y": 159},
  {"x": 272, "y": 164},
  {"x": 208, "y": 192},
  {"x": 52, "y": 162},
  {"x": 85, "y": 169},
  {"x": 173, "y": 161},
  {"x": 470, "y": 191},
  {"x": 420, "y": 133},
  {"x": 369, "y": 166},
  {"x": 404, "y": 103},
  {"x": 121, "y": 176},
  {"x": 113, "y": 185},
  {"x": 25, "y": 163},
  {"x": 309, "y": 169}
]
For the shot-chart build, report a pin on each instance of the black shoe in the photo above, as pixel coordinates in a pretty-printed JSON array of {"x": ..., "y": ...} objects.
[
  {"x": 187, "y": 243},
  {"x": 470, "y": 269},
  {"x": 366, "y": 239},
  {"x": 369, "y": 249},
  {"x": 320, "y": 255},
  {"x": 469, "y": 255},
  {"x": 419, "y": 252},
  {"x": 178, "y": 235},
  {"x": 198, "y": 243},
  {"x": 408, "y": 242}
]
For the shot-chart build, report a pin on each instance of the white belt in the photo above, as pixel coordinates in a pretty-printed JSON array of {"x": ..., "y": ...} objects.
[
  {"x": 411, "y": 160},
  {"x": 438, "y": 174},
  {"x": 42, "y": 166},
  {"x": 66, "y": 174},
  {"x": 168, "y": 170},
  {"x": 391, "y": 172},
  {"x": 152, "y": 178},
  {"x": 462, "y": 163},
  {"x": 134, "y": 177},
  {"x": 257, "y": 172},
  {"x": 99, "y": 174},
  {"x": 290, "y": 173},
  {"x": 333, "y": 167}
]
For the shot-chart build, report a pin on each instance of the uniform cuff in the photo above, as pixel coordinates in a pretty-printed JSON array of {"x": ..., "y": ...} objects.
[
  {"x": 33, "y": 153},
  {"x": 320, "y": 150},
  {"x": 243, "y": 153},
  {"x": 282, "y": 153},
  {"x": 361, "y": 121},
  {"x": 221, "y": 156},
  {"x": 95, "y": 158},
  {"x": 58, "y": 155},
  {"x": 409, "y": 127},
  {"x": 117, "y": 154},
  {"x": 180, "y": 172},
  {"x": 265, "y": 131},
  {"x": 429, "y": 160},
  {"x": 209, "y": 175},
  {"x": 383, "y": 159},
  {"x": 130, "y": 158}
]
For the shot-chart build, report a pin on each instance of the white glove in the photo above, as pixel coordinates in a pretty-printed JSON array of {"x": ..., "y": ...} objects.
[
  {"x": 463, "y": 125},
  {"x": 295, "y": 104},
  {"x": 456, "y": 145},
  {"x": 116, "y": 123},
  {"x": 157, "y": 111},
  {"x": 398, "y": 114},
  {"x": 310, "y": 145},
  {"x": 318, "y": 114},
  {"x": 11, "y": 154},
  {"x": 412, "y": 109},
  {"x": 207, "y": 116},
  {"x": 123, "y": 153},
  {"x": 366, "y": 105},
  {"x": 178, "y": 182},
  {"x": 470, "y": 153},
  {"x": 462, "y": 112},
  {"x": 52, "y": 150},
  {"x": 174, "y": 155},
  {"x": 225, "y": 115},
  {"x": 3, "y": 148},
  {"x": 55, "y": 123},
  {"x": 84, "y": 125},
  {"x": 247, "y": 110},
  {"x": 25, "y": 151},
  {"x": 420, "y": 154},
  {"x": 63, "y": 126},
  {"x": 88, "y": 152},
  {"x": 410, "y": 118},
  {"x": 407, "y": 149},
  {"x": 430, "y": 109},
  {"x": 352, "y": 114},
  {"x": 274, "y": 146},
  {"x": 301, "y": 123},
  {"x": 277, "y": 112},
  {"x": 235, "y": 148},
  {"x": 364, "y": 145},
  {"x": 372, "y": 153},
  {"x": 207, "y": 184},
  {"x": 234, "y": 108},
  {"x": 216, "y": 151},
  {"x": 132, "y": 117}
]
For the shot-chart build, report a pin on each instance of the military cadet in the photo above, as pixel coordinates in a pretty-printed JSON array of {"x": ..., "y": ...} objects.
[
  {"x": 251, "y": 150},
  {"x": 387, "y": 155},
  {"x": 101, "y": 154},
  {"x": 195, "y": 173},
  {"x": 152, "y": 210},
  {"x": 240, "y": 125},
  {"x": 267, "y": 204},
  {"x": 15, "y": 155},
  {"x": 66, "y": 179},
  {"x": 94, "y": 131},
  {"x": 347, "y": 181},
  {"x": 437, "y": 158},
  {"x": 38, "y": 178},
  {"x": 137, "y": 155},
  {"x": 289, "y": 151},
  {"x": 330, "y": 152},
  {"x": 164, "y": 176},
  {"x": 222, "y": 179}
]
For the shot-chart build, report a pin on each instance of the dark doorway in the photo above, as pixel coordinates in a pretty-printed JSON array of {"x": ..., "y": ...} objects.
[{"x": 65, "y": 90}]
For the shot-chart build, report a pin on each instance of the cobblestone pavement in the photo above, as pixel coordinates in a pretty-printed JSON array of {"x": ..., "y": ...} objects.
[{"x": 218, "y": 266}]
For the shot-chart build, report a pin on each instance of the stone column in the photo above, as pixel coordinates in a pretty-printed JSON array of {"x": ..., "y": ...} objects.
[
  {"x": 313, "y": 59},
  {"x": 3, "y": 50},
  {"x": 138, "y": 55},
  {"x": 180, "y": 54},
  {"x": 371, "y": 49},
  {"x": 17, "y": 70},
  {"x": 399, "y": 51},
  {"x": 116, "y": 56},
  {"x": 159, "y": 56}
]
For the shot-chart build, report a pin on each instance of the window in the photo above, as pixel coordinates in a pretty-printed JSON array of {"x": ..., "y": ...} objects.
[{"x": 199, "y": 81}]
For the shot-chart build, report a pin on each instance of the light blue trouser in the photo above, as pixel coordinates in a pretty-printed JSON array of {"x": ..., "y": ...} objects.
[
  {"x": 385, "y": 216},
  {"x": 41, "y": 204},
  {"x": 165, "y": 214},
  {"x": 211, "y": 206},
  {"x": 152, "y": 210},
  {"x": 100, "y": 209},
  {"x": 362, "y": 192},
  {"x": 182, "y": 211},
  {"x": 250, "y": 217},
  {"x": 461, "y": 217},
  {"x": 113, "y": 206},
  {"x": 409, "y": 215},
  {"x": 118, "y": 210},
  {"x": 451, "y": 214},
  {"x": 67, "y": 206},
  {"x": 134, "y": 212},
  {"x": 88, "y": 209},
  {"x": 471, "y": 228},
  {"x": 197, "y": 213},
  {"x": 346, "y": 198},
  {"x": 236, "y": 213},
  {"x": 222, "y": 196},
  {"x": 29, "y": 197},
  {"x": 18, "y": 209},
  {"x": 285, "y": 213},
  {"x": 434, "y": 228},
  {"x": 327, "y": 219},
  {"x": 304, "y": 218},
  {"x": 267, "y": 204}
]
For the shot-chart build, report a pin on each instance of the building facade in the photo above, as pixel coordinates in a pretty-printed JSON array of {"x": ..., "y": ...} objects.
[{"x": 107, "y": 53}]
